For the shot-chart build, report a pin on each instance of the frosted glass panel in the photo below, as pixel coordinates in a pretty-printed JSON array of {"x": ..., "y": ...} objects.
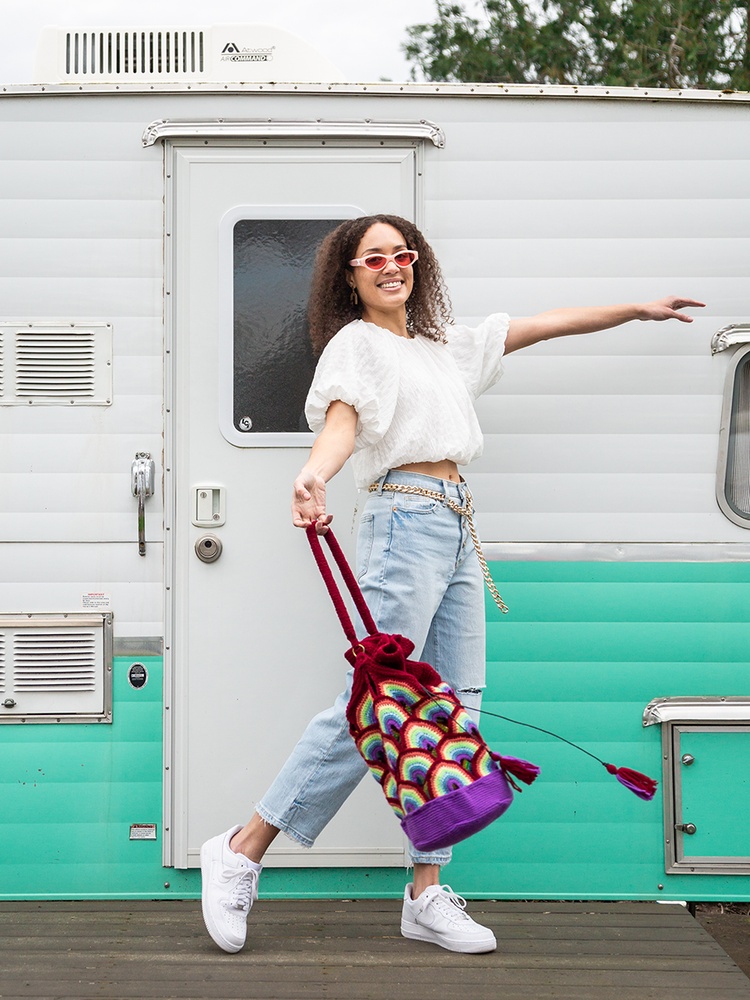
[{"x": 273, "y": 359}]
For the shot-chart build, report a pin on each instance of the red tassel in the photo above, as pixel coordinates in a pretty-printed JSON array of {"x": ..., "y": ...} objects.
[
  {"x": 521, "y": 769},
  {"x": 640, "y": 784}
]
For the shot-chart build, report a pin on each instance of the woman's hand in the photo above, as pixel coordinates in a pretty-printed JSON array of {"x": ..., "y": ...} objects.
[
  {"x": 309, "y": 502},
  {"x": 331, "y": 449},
  {"x": 668, "y": 308}
]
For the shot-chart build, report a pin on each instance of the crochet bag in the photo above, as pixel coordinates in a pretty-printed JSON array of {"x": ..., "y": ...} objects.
[{"x": 419, "y": 742}]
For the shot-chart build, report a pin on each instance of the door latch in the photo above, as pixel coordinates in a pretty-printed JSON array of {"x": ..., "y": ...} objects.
[
  {"x": 142, "y": 480},
  {"x": 689, "y": 828}
]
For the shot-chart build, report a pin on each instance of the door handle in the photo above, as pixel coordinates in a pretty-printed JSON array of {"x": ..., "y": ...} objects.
[{"x": 142, "y": 473}]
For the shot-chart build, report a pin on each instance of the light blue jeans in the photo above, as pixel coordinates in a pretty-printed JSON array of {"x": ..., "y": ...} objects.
[{"x": 420, "y": 576}]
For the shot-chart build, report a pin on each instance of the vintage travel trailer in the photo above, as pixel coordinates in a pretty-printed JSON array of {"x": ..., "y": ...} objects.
[{"x": 164, "y": 632}]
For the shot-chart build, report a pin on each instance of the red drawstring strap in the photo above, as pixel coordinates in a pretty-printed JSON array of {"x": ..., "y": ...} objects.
[{"x": 348, "y": 578}]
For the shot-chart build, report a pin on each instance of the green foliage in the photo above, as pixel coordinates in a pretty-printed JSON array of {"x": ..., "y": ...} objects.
[{"x": 647, "y": 43}]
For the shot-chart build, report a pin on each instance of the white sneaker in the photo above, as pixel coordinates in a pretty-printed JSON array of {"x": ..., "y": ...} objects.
[
  {"x": 230, "y": 887},
  {"x": 438, "y": 915}
]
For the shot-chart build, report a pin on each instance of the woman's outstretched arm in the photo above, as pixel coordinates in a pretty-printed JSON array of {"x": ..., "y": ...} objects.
[
  {"x": 331, "y": 449},
  {"x": 589, "y": 319}
]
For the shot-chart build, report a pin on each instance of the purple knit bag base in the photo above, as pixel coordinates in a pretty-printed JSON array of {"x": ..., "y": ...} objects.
[{"x": 458, "y": 814}]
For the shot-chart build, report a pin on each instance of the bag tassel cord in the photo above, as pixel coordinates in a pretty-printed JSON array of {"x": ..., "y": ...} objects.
[
  {"x": 513, "y": 767},
  {"x": 636, "y": 782}
]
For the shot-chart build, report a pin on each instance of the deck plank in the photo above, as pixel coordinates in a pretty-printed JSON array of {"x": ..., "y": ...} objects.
[{"x": 352, "y": 950}]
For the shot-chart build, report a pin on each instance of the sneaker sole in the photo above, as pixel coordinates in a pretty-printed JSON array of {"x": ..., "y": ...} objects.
[
  {"x": 417, "y": 933},
  {"x": 211, "y": 927}
]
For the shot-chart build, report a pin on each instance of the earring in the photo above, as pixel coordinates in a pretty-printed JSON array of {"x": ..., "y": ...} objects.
[{"x": 353, "y": 297}]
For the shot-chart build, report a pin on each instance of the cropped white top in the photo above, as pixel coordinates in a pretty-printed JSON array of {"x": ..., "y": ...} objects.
[{"x": 414, "y": 397}]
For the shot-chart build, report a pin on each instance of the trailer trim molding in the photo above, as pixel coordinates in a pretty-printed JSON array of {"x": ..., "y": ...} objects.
[
  {"x": 270, "y": 128},
  {"x": 715, "y": 709},
  {"x": 383, "y": 89}
]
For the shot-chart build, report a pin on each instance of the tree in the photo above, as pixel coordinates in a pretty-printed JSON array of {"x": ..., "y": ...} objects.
[{"x": 647, "y": 43}]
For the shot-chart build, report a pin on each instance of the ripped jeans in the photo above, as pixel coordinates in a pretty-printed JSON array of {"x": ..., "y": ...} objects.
[{"x": 420, "y": 576}]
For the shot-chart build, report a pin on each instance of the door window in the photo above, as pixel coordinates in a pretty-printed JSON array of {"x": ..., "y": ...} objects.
[{"x": 268, "y": 361}]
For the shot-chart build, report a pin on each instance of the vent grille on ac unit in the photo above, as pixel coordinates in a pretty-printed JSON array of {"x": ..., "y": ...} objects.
[
  {"x": 134, "y": 53},
  {"x": 55, "y": 661},
  {"x": 42, "y": 363}
]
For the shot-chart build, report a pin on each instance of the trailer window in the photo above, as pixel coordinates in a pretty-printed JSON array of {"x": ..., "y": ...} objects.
[
  {"x": 733, "y": 481},
  {"x": 272, "y": 359}
]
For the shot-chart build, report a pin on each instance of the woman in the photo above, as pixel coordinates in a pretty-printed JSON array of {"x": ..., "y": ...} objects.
[{"x": 393, "y": 390}]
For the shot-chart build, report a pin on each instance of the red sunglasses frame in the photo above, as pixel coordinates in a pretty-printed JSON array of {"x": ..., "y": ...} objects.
[{"x": 362, "y": 261}]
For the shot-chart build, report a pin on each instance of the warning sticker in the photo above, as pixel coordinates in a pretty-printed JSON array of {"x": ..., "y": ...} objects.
[
  {"x": 95, "y": 600},
  {"x": 143, "y": 831}
]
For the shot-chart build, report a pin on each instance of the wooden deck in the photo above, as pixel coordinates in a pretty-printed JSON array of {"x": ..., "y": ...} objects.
[{"x": 352, "y": 950}]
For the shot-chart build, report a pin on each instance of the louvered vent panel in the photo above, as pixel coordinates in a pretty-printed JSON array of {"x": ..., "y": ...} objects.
[
  {"x": 55, "y": 364},
  {"x": 134, "y": 54},
  {"x": 56, "y": 667},
  {"x": 55, "y": 661},
  {"x": 49, "y": 364}
]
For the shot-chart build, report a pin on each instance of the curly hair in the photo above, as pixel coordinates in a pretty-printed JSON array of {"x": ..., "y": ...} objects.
[{"x": 428, "y": 308}]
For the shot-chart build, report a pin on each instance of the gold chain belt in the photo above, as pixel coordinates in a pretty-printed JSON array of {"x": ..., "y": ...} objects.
[{"x": 466, "y": 511}]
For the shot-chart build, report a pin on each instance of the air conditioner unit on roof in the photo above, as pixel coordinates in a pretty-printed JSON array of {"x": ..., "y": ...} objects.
[{"x": 236, "y": 53}]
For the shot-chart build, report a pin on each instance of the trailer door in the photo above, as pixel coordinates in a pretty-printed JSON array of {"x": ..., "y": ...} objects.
[{"x": 253, "y": 646}]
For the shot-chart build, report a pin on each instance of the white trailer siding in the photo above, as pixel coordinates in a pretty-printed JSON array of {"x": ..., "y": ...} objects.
[
  {"x": 608, "y": 443},
  {"x": 536, "y": 204},
  {"x": 531, "y": 204},
  {"x": 81, "y": 236}
]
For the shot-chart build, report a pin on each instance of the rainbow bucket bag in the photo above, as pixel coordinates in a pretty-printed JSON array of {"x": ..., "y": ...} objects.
[{"x": 421, "y": 745}]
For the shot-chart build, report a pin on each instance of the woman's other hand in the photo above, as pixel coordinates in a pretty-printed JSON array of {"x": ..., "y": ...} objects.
[{"x": 669, "y": 308}]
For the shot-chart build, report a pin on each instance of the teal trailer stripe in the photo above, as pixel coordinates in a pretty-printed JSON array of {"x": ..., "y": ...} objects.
[{"x": 584, "y": 649}]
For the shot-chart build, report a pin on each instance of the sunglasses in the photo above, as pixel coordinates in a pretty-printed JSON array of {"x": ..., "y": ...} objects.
[{"x": 377, "y": 261}]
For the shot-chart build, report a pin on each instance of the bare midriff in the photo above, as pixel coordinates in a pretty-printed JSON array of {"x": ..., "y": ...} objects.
[{"x": 439, "y": 470}]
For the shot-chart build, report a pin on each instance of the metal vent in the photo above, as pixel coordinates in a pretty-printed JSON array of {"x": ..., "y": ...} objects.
[
  {"x": 55, "y": 364},
  {"x": 134, "y": 54},
  {"x": 55, "y": 661},
  {"x": 56, "y": 668},
  {"x": 51, "y": 364}
]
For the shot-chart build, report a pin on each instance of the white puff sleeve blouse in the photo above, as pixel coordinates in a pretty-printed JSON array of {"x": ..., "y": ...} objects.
[{"x": 414, "y": 397}]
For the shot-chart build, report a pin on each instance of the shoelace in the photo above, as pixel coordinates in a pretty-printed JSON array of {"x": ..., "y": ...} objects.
[
  {"x": 450, "y": 904},
  {"x": 242, "y": 894}
]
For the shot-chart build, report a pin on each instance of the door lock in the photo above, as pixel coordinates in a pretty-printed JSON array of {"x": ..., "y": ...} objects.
[
  {"x": 688, "y": 828},
  {"x": 208, "y": 548}
]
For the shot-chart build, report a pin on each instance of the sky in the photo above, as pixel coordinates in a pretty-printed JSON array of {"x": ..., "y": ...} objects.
[{"x": 362, "y": 39}]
